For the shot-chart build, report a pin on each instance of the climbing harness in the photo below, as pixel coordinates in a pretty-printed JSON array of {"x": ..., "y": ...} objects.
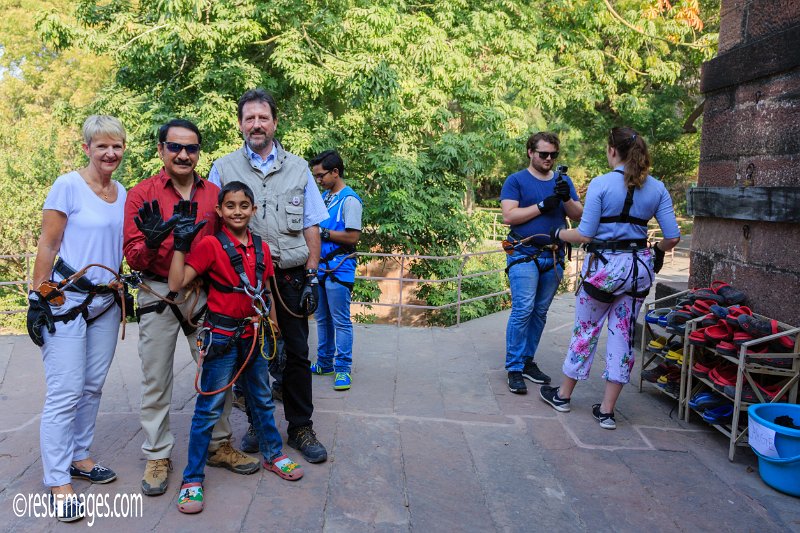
[
  {"x": 336, "y": 255},
  {"x": 259, "y": 321},
  {"x": 597, "y": 248},
  {"x": 189, "y": 324},
  {"x": 513, "y": 242},
  {"x": 330, "y": 272},
  {"x": 74, "y": 281}
]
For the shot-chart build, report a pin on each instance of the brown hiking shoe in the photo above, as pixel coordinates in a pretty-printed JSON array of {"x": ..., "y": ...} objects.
[
  {"x": 226, "y": 456},
  {"x": 156, "y": 473}
]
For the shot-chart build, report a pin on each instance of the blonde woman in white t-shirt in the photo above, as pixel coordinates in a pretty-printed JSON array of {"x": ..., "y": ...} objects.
[{"x": 77, "y": 330}]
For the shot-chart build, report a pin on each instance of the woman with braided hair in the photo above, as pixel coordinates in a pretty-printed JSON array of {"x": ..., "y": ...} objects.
[
  {"x": 619, "y": 268},
  {"x": 77, "y": 325}
]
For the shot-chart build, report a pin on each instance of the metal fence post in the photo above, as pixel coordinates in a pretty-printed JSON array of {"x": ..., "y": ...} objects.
[
  {"x": 458, "y": 295},
  {"x": 400, "y": 301}
]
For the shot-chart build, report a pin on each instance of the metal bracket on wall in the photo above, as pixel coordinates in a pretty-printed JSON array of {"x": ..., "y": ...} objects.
[{"x": 766, "y": 204}]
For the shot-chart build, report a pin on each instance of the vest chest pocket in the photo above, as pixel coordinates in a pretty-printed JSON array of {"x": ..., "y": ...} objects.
[{"x": 294, "y": 217}]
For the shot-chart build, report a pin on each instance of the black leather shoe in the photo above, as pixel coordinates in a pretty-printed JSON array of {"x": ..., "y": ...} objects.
[
  {"x": 98, "y": 474},
  {"x": 305, "y": 440}
]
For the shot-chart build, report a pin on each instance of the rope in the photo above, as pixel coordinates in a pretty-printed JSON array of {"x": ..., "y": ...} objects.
[
  {"x": 258, "y": 332},
  {"x": 116, "y": 285}
]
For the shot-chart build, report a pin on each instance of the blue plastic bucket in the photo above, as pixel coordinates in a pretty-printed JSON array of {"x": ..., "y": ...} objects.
[{"x": 781, "y": 473}]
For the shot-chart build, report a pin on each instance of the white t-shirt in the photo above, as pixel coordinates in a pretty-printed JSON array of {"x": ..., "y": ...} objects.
[{"x": 93, "y": 233}]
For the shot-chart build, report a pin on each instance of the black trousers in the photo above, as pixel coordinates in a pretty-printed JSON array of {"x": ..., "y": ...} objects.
[{"x": 298, "y": 405}]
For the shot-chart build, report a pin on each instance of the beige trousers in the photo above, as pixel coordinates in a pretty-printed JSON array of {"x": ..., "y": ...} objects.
[{"x": 158, "y": 334}]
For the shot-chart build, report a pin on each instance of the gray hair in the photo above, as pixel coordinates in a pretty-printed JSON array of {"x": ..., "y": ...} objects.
[{"x": 97, "y": 125}]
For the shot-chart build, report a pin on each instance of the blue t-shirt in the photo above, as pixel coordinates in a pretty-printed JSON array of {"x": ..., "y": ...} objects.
[
  {"x": 529, "y": 190},
  {"x": 605, "y": 198}
]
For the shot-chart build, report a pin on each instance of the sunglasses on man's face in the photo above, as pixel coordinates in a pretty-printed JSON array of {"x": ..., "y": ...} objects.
[
  {"x": 176, "y": 148},
  {"x": 545, "y": 155}
]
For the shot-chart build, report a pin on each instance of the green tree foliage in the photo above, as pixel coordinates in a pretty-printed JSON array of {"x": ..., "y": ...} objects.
[
  {"x": 39, "y": 89},
  {"x": 427, "y": 101}
]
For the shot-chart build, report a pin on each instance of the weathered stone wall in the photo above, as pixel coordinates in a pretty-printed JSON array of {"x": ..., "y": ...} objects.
[{"x": 751, "y": 137}]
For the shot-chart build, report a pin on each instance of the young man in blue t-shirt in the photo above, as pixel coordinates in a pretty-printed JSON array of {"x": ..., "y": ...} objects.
[{"x": 533, "y": 202}]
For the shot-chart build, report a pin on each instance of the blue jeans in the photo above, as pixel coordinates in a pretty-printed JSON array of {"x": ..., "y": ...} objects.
[
  {"x": 531, "y": 295},
  {"x": 334, "y": 327},
  {"x": 218, "y": 370}
]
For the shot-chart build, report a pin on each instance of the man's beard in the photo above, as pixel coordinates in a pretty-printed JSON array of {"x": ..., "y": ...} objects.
[
  {"x": 260, "y": 145},
  {"x": 541, "y": 168}
]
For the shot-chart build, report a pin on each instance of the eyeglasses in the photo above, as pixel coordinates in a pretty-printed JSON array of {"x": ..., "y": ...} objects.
[
  {"x": 545, "y": 155},
  {"x": 176, "y": 148},
  {"x": 320, "y": 176}
]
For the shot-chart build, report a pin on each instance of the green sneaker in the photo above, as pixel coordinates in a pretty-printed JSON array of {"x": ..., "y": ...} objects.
[
  {"x": 342, "y": 381},
  {"x": 320, "y": 371}
]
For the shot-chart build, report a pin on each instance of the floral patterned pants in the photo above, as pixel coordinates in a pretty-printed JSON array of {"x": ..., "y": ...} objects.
[{"x": 615, "y": 277}]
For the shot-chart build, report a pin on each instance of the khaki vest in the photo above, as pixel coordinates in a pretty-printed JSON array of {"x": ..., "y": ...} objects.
[{"x": 280, "y": 198}]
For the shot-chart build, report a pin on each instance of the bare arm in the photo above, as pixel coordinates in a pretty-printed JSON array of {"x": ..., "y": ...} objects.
[
  {"x": 53, "y": 225},
  {"x": 668, "y": 244},
  {"x": 514, "y": 214},
  {"x": 313, "y": 242},
  {"x": 574, "y": 209},
  {"x": 348, "y": 236},
  {"x": 180, "y": 274},
  {"x": 573, "y": 237}
]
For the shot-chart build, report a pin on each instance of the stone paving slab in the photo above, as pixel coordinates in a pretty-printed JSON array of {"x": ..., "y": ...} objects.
[{"x": 428, "y": 439}]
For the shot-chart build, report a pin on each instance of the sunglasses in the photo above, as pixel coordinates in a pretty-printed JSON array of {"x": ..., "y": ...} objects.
[
  {"x": 545, "y": 155},
  {"x": 176, "y": 148}
]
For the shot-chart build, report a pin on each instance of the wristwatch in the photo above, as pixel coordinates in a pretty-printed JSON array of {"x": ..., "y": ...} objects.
[
  {"x": 311, "y": 272},
  {"x": 325, "y": 233}
]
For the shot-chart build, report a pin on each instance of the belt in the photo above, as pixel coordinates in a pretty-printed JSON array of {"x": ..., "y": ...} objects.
[
  {"x": 146, "y": 274},
  {"x": 225, "y": 322},
  {"x": 81, "y": 284},
  {"x": 628, "y": 245}
]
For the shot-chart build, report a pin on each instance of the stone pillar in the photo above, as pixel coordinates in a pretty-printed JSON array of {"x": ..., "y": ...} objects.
[{"x": 747, "y": 203}]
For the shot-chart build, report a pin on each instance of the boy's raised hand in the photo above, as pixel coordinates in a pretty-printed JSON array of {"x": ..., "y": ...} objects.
[{"x": 185, "y": 228}]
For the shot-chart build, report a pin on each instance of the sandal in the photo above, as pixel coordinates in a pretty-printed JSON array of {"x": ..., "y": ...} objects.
[
  {"x": 190, "y": 498},
  {"x": 757, "y": 327},
  {"x": 723, "y": 375},
  {"x": 732, "y": 296},
  {"x": 702, "y": 307},
  {"x": 655, "y": 316},
  {"x": 675, "y": 355},
  {"x": 284, "y": 467},
  {"x": 698, "y": 337},
  {"x": 749, "y": 395},
  {"x": 719, "y": 415},
  {"x": 721, "y": 332},
  {"x": 706, "y": 400},
  {"x": 700, "y": 370},
  {"x": 736, "y": 311},
  {"x": 727, "y": 348},
  {"x": 656, "y": 345}
]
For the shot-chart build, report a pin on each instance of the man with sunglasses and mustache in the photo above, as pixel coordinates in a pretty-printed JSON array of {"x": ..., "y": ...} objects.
[
  {"x": 148, "y": 247},
  {"x": 533, "y": 201}
]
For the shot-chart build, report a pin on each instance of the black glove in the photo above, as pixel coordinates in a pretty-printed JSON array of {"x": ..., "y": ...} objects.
[
  {"x": 152, "y": 226},
  {"x": 548, "y": 204},
  {"x": 658, "y": 262},
  {"x": 39, "y": 316},
  {"x": 308, "y": 296},
  {"x": 554, "y": 231},
  {"x": 185, "y": 228},
  {"x": 562, "y": 190}
]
